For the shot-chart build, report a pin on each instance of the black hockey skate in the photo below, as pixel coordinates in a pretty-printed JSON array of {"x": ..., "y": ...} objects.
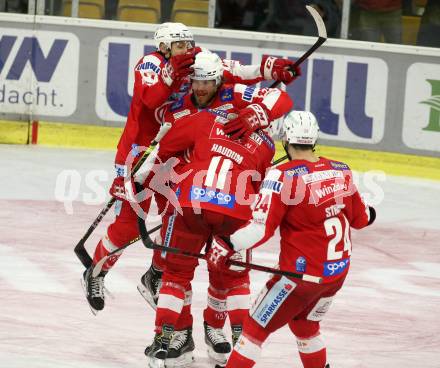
[
  {"x": 157, "y": 352},
  {"x": 236, "y": 333},
  {"x": 218, "y": 345},
  {"x": 150, "y": 285},
  {"x": 94, "y": 289},
  {"x": 180, "y": 351}
]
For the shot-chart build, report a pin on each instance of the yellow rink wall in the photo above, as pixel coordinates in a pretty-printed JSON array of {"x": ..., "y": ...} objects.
[{"x": 99, "y": 137}]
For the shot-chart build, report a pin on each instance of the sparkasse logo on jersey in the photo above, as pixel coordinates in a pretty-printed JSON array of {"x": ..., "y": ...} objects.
[
  {"x": 421, "y": 119},
  {"x": 273, "y": 300},
  {"x": 38, "y": 72}
]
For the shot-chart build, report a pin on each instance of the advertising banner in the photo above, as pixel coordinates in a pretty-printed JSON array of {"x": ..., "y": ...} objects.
[
  {"x": 421, "y": 118},
  {"x": 38, "y": 72}
]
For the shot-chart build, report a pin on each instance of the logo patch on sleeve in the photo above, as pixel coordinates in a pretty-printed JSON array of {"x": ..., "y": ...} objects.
[
  {"x": 339, "y": 165},
  {"x": 176, "y": 105},
  {"x": 248, "y": 93},
  {"x": 226, "y": 95},
  {"x": 335, "y": 268},
  {"x": 297, "y": 171},
  {"x": 272, "y": 185}
]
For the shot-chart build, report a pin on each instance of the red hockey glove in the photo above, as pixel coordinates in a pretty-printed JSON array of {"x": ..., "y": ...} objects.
[
  {"x": 249, "y": 119},
  {"x": 120, "y": 189},
  {"x": 219, "y": 253},
  {"x": 244, "y": 255},
  {"x": 282, "y": 70},
  {"x": 178, "y": 67},
  {"x": 196, "y": 50}
]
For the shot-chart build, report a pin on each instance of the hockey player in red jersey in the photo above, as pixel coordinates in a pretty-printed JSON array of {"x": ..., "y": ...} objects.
[
  {"x": 215, "y": 196},
  {"x": 160, "y": 78},
  {"x": 315, "y": 203}
]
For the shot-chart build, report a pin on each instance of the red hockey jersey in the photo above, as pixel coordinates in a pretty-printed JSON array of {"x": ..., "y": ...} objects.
[
  {"x": 314, "y": 204},
  {"x": 223, "y": 175},
  {"x": 151, "y": 96}
]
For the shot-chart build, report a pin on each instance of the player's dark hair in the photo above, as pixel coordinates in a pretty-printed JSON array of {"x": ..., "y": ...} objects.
[{"x": 303, "y": 147}]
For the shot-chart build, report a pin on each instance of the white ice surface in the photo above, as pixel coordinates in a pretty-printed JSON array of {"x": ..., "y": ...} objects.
[{"x": 385, "y": 316}]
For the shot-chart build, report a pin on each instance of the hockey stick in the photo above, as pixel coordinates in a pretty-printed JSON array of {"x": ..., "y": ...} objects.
[
  {"x": 80, "y": 249},
  {"x": 98, "y": 266},
  {"x": 281, "y": 159},
  {"x": 149, "y": 243},
  {"x": 322, "y": 37}
]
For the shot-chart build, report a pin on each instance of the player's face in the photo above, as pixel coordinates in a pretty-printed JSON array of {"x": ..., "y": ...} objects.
[
  {"x": 180, "y": 47},
  {"x": 204, "y": 91}
]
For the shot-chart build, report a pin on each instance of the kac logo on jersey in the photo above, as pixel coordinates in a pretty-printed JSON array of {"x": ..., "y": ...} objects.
[
  {"x": 297, "y": 171},
  {"x": 226, "y": 95},
  {"x": 212, "y": 196},
  {"x": 335, "y": 268},
  {"x": 301, "y": 264}
]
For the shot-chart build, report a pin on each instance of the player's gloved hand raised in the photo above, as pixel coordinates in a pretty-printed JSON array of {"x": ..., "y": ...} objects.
[
  {"x": 219, "y": 253},
  {"x": 279, "y": 69},
  {"x": 178, "y": 67},
  {"x": 249, "y": 119},
  {"x": 122, "y": 189},
  {"x": 196, "y": 50}
]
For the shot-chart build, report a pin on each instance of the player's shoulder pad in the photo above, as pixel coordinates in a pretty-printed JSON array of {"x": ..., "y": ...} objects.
[
  {"x": 337, "y": 165},
  {"x": 272, "y": 182},
  {"x": 291, "y": 170},
  {"x": 150, "y": 62}
]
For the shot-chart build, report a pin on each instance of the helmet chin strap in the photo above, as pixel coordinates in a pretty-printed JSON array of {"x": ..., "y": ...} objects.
[{"x": 286, "y": 149}]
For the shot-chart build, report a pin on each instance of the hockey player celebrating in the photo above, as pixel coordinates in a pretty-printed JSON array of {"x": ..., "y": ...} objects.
[
  {"x": 158, "y": 76},
  {"x": 161, "y": 77},
  {"x": 214, "y": 199},
  {"x": 315, "y": 203}
]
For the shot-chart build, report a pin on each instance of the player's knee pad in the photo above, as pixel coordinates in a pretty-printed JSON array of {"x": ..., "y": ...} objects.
[
  {"x": 303, "y": 328},
  {"x": 122, "y": 231},
  {"x": 308, "y": 338},
  {"x": 254, "y": 332}
]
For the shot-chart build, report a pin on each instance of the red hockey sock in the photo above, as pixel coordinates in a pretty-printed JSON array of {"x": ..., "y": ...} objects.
[
  {"x": 215, "y": 313},
  {"x": 237, "y": 303},
  {"x": 186, "y": 319},
  {"x": 169, "y": 306},
  {"x": 236, "y": 360},
  {"x": 104, "y": 247},
  {"x": 314, "y": 360}
]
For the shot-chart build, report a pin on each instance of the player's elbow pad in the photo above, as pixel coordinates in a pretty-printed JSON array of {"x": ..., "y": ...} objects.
[{"x": 372, "y": 215}]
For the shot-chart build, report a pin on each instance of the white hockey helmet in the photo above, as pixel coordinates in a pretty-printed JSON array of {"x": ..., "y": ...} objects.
[
  {"x": 207, "y": 66},
  {"x": 301, "y": 127},
  {"x": 168, "y": 33}
]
